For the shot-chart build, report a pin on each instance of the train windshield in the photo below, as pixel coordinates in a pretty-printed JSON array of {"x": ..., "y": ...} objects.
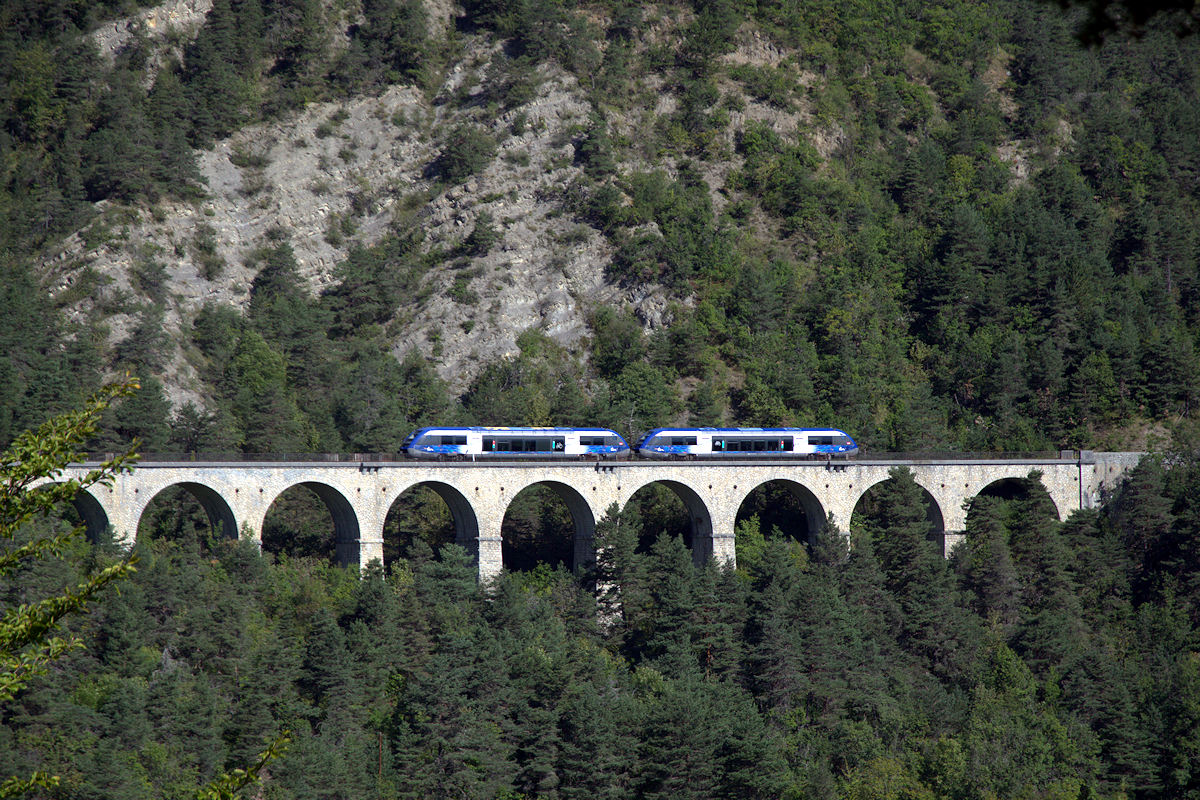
[{"x": 840, "y": 440}]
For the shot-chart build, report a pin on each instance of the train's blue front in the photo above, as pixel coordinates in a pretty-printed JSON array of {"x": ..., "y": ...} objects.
[
  {"x": 833, "y": 443},
  {"x": 436, "y": 442},
  {"x": 603, "y": 443},
  {"x": 681, "y": 444}
]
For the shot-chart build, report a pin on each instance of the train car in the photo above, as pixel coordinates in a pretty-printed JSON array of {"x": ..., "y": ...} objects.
[
  {"x": 746, "y": 443},
  {"x": 478, "y": 442}
]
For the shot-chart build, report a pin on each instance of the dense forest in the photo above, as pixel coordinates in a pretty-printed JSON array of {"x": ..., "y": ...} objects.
[
  {"x": 970, "y": 232},
  {"x": 1044, "y": 659}
]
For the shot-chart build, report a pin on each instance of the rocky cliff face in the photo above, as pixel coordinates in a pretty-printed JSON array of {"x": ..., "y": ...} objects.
[{"x": 336, "y": 175}]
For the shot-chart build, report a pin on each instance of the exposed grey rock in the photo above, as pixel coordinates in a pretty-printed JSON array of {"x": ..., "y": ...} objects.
[
  {"x": 174, "y": 16},
  {"x": 546, "y": 271}
]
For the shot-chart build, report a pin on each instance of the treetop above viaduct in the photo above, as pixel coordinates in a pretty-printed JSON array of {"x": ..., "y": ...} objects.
[{"x": 359, "y": 493}]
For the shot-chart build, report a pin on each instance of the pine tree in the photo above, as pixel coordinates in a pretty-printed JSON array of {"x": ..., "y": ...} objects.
[
  {"x": 173, "y": 165},
  {"x": 622, "y": 580},
  {"x": 143, "y": 418},
  {"x": 774, "y": 661},
  {"x": 668, "y": 632},
  {"x": 934, "y": 626},
  {"x": 598, "y": 730},
  {"x": 214, "y": 88},
  {"x": 986, "y": 565},
  {"x": 1141, "y": 511},
  {"x": 719, "y": 618}
]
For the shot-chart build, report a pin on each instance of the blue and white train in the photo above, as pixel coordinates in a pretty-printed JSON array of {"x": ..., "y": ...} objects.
[
  {"x": 479, "y": 442},
  {"x": 746, "y": 443}
]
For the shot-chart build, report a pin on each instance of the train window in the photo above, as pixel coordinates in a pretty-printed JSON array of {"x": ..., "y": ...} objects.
[
  {"x": 718, "y": 445},
  {"x": 760, "y": 445},
  {"x": 591, "y": 441},
  {"x": 454, "y": 440},
  {"x": 683, "y": 440},
  {"x": 842, "y": 440},
  {"x": 785, "y": 445},
  {"x": 820, "y": 440}
]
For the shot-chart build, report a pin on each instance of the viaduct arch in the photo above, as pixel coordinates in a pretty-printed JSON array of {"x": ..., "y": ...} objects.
[{"x": 359, "y": 493}]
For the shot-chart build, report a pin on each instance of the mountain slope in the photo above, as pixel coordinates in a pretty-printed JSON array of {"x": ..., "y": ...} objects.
[{"x": 941, "y": 225}]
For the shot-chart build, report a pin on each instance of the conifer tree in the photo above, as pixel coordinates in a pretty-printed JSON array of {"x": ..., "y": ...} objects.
[
  {"x": 934, "y": 626},
  {"x": 718, "y": 622},
  {"x": 986, "y": 564},
  {"x": 622, "y": 582},
  {"x": 597, "y": 739},
  {"x": 668, "y": 633},
  {"x": 1141, "y": 511}
]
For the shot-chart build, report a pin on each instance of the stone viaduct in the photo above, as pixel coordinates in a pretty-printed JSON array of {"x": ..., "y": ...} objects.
[{"x": 360, "y": 492}]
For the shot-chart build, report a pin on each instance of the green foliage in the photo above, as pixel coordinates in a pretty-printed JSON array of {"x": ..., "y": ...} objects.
[
  {"x": 537, "y": 387},
  {"x": 468, "y": 150},
  {"x": 483, "y": 236},
  {"x": 229, "y": 785},
  {"x": 27, "y": 643},
  {"x": 390, "y": 47},
  {"x": 618, "y": 341}
]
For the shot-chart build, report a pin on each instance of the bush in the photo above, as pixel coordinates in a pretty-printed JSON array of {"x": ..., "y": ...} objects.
[
  {"x": 468, "y": 151},
  {"x": 482, "y": 237}
]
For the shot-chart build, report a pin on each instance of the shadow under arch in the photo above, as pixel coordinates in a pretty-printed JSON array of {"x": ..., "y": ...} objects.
[
  {"x": 462, "y": 518},
  {"x": 87, "y": 512},
  {"x": 699, "y": 517},
  {"x": 774, "y": 514},
  {"x": 867, "y": 504},
  {"x": 583, "y": 527},
  {"x": 661, "y": 512},
  {"x": 1015, "y": 488},
  {"x": 341, "y": 513},
  {"x": 94, "y": 518},
  {"x": 220, "y": 516}
]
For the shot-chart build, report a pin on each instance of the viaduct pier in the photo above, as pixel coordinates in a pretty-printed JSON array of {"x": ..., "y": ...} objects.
[{"x": 359, "y": 491}]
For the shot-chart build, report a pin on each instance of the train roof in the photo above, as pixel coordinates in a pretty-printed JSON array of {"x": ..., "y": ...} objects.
[
  {"x": 734, "y": 431},
  {"x": 507, "y": 429}
]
